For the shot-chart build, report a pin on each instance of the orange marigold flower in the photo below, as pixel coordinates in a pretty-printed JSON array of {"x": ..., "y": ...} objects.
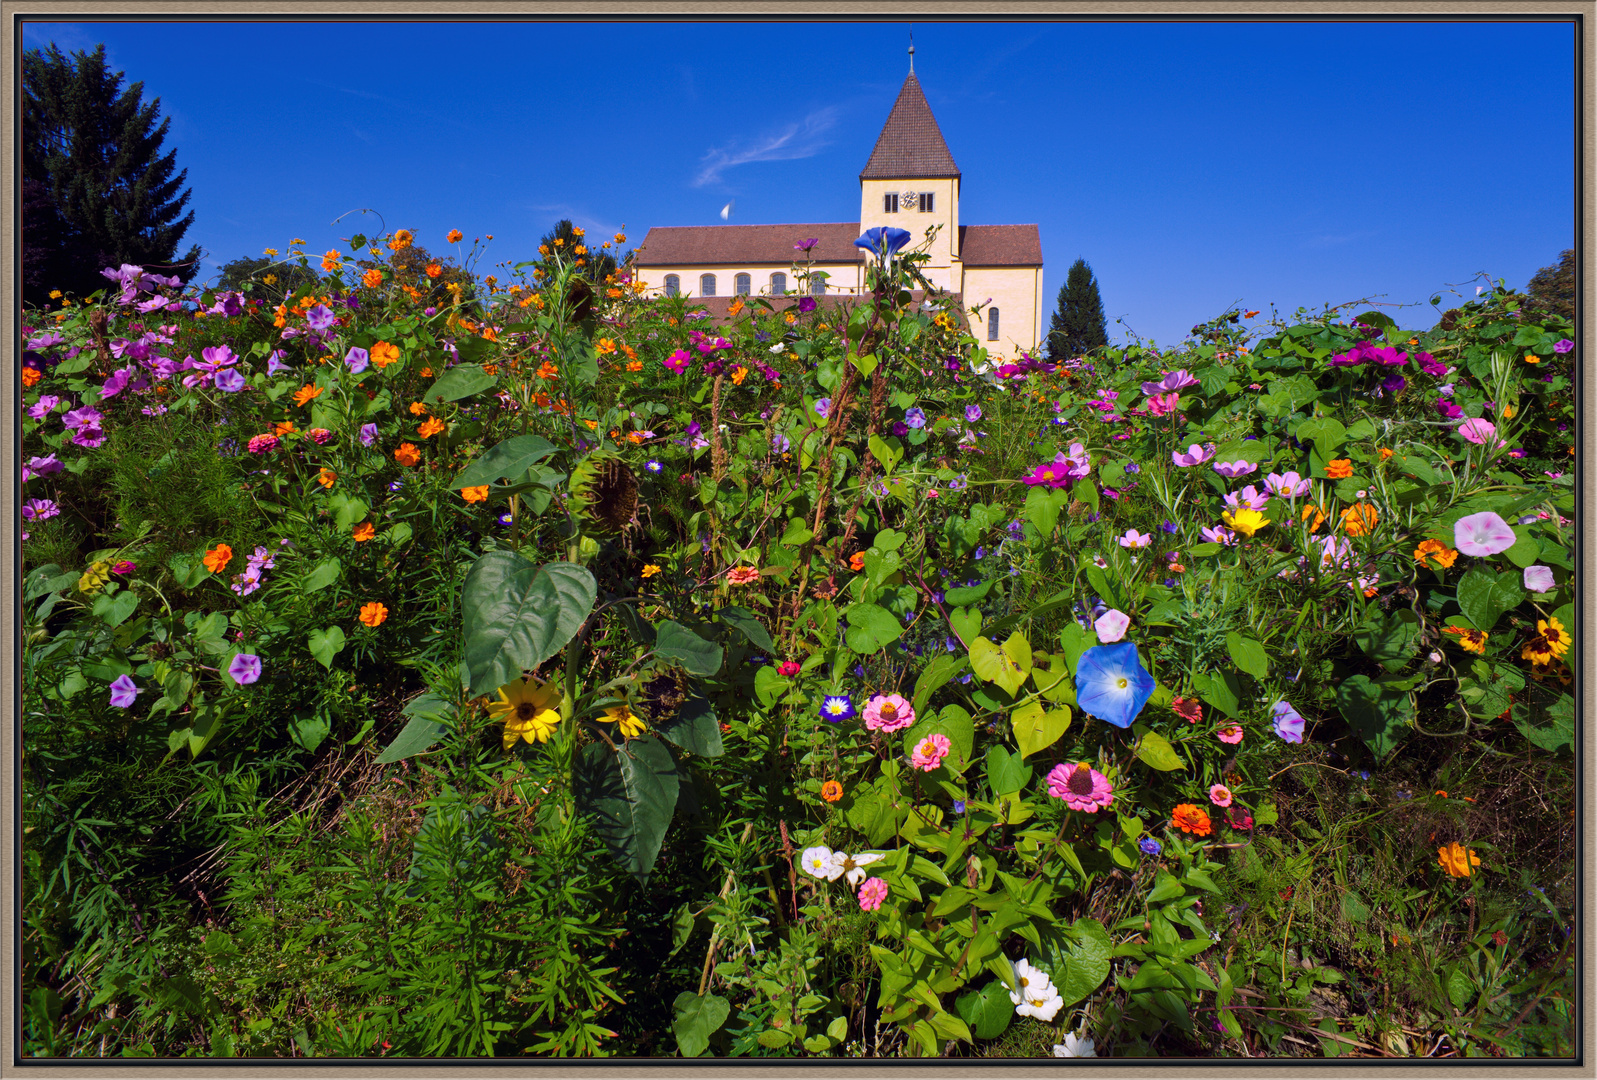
[
  {"x": 217, "y": 558},
  {"x": 305, "y": 394},
  {"x": 1385, "y": 453},
  {"x": 373, "y": 614},
  {"x": 1318, "y": 514},
  {"x": 605, "y": 346},
  {"x": 1469, "y": 640},
  {"x": 364, "y": 531},
  {"x": 856, "y": 561},
  {"x": 1359, "y": 519},
  {"x": 1436, "y": 551},
  {"x": 743, "y": 575},
  {"x": 326, "y": 477},
  {"x": 831, "y": 791},
  {"x": 401, "y": 240},
  {"x": 546, "y": 370},
  {"x": 418, "y": 408},
  {"x": 634, "y": 365},
  {"x": 284, "y": 428},
  {"x": 434, "y": 270},
  {"x": 31, "y": 375},
  {"x": 372, "y": 278},
  {"x": 407, "y": 454},
  {"x": 430, "y": 427},
  {"x": 475, "y": 494},
  {"x": 383, "y": 353},
  {"x": 739, "y": 375},
  {"x": 1340, "y": 469},
  {"x": 1192, "y": 819},
  {"x": 455, "y": 236},
  {"x": 736, "y": 306}
]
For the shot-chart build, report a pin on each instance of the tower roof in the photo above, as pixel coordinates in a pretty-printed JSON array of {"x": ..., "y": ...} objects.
[{"x": 911, "y": 146}]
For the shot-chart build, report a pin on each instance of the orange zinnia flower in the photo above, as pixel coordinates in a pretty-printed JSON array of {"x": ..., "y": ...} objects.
[
  {"x": 217, "y": 558},
  {"x": 431, "y": 427},
  {"x": 475, "y": 494},
  {"x": 1340, "y": 469},
  {"x": 373, "y": 614},
  {"x": 1359, "y": 519},
  {"x": 364, "y": 531},
  {"x": 1192, "y": 819},
  {"x": 455, "y": 236},
  {"x": 401, "y": 240},
  {"x": 383, "y": 353},
  {"x": 305, "y": 394},
  {"x": 326, "y": 477},
  {"x": 1437, "y": 551},
  {"x": 372, "y": 278},
  {"x": 831, "y": 791},
  {"x": 31, "y": 375},
  {"x": 407, "y": 454},
  {"x": 634, "y": 365},
  {"x": 743, "y": 575},
  {"x": 434, "y": 270},
  {"x": 1385, "y": 453}
]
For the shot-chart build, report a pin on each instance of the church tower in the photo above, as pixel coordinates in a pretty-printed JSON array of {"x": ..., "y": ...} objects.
[{"x": 912, "y": 183}]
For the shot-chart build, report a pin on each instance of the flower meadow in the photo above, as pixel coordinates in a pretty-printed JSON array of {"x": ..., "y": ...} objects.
[{"x": 435, "y": 665}]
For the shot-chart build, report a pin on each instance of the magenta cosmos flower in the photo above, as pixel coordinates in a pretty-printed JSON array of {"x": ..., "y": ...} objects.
[
  {"x": 1482, "y": 534},
  {"x": 1175, "y": 380},
  {"x": 1194, "y": 455},
  {"x": 1288, "y": 485},
  {"x": 1477, "y": 431},
  {"x": 930, "y": 751},
  {"x": 888, "y": 713},
  {"x": 1050, "y": 475},
  {"x": 1233, "y": 469},
  {"x": 1081, "y": 786}
]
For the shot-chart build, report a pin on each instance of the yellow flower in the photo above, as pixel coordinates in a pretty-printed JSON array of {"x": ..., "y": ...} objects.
[
  {"x": 1456, "y": 861},
  {"x": 631, "y": 724},
  {"x": 650, "y": 570},
  {"x": 529, "y": 709},
  {"x": 1246, "y": 522},
  {"x": 1469, "y": 640},
  {"x": 94, "y": 577},
  {"x": 271, "y": 251}
]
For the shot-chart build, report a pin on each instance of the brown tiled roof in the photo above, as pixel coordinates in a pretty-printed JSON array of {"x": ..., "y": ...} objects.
[
  {"x": 748, "y": 245},
  {"x": 718, "y": 306},
  {"x": 1000, "y": 245},
  {"x": 911, "y": 145}
]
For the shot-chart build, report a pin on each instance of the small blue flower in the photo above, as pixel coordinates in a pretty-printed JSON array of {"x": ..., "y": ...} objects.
[
  {"x": 1150, "y": 845},
  {"x": 958, "y": 483},
  {"x": 959, "y": 806},
  {"x": 914, "y": 417},
  {"x": 1363, "y": 774},
  {"x": 396, "y": 485},
  {"x": 653, "y": 466},
  {"x": 981, "y": 553},
  {"x": 506, "y": 518},
  {"x": 1170, "y": 527},
  {"x": 1169, "y": 582},
  {"x": 837, "y": 708},
  {"x": 882, "y": 240},
  {"x": 1112, "y": 684},
  {"x": 1133, "y": 468}
]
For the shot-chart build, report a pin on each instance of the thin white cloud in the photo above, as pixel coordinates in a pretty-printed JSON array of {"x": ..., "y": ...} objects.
[{"x": 801, "y": 140}]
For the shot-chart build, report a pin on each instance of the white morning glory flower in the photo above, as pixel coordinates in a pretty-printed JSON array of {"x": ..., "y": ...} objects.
[{"x": 817, "y": 862}]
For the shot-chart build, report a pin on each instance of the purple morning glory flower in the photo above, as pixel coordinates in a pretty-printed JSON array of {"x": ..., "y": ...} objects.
[
  {"x": 1112, "y": 684},
  {"x": 245, "y": 668},
  {"x": 368, "y": 434},
  {"x": 900, "y": 428},
  {"x": 229, "y": 380},
  {"x": 1393, "y": 383},
  {"x": 1564, "y": 346},
  {"x": 357, "y": 359},
  {"x": 123, "y": 691},
  {"x": 972, "y": 413},
  {"x": 806, "y": 305},
  {"x": 914, "y": 417},
  {"x": 883, "y": 240},
  {"x": 823, "y": 408},
  {"x": 319, "y": 318},
  {"x": 1288, "y": 723},
  {"x": 1170, "y": 528}
]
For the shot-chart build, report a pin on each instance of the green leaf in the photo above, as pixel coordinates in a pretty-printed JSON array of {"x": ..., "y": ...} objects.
[
  {"x": 1390, "y": 638},
  {"x": 871, "y": 628},
  {"x": 1007, "y": 666},
  {"x": 1083, "y": 968},
  {"x": 516, "y": 615},
  {"x": 749, "y": 626},
  {"x": 769, "y": 685},
  {"x": 694, "y": 728},
  {"x": 1558, "y": 729},
  {"x": 694, "y": 1019},
  {"x": 1006, "y": 772},
  {"x": 1155, "y": 750},
  {"x": 325, "y": 644},
  {"x": 935, "y": 674},
  {"x": 1483, "y": 596},
  {"x": 1165, "y": 887},
  {"x": 430, "y": 717},
  {"x": 1377, "y": 717},
  {"x": 1248, "y": 655},
  {"x": 884, "y": 454},
  {"x": 968, "y": 594},
  {"x": 347, "y": 511},
  {"x": 956, "y": 724},
  {"x": 325, "y": 574},
  {"x": 1353, "y": 907},
  {"x": 987, "y": 1010},
  {"x": 1526, "y": 550},
  {"x": 630, "y": 794},
  {"x": 506, "y": 461},
  {"x": 677, "y": 642},
  {"x": 796, "y": 533},
  {"x": 1327, "y": 433},
  {"x": 1217, "y": 690},
  {"x": 966, "y": 623},
  {"x": 116, "y": 609},
  {"x": 1037, "y": 728},
  {"x": 460, "y": 381},
  {"x": 1043, "y": 505},
  {"x": 310, "y": 731}
]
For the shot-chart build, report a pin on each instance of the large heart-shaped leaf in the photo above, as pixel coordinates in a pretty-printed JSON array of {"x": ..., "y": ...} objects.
[
  {"x": 676, "y": 642},
  {"x": 1036, "y": 727},
  {"x": 1483, "y": 596},
  {"x": 1006, "y": 772},
  {"x": 966, "y": 623},
  {"x": 1248, "y": 655},
  {"x": 1389, "y": 637},
  {"x": 694, "y": 1019},
  {"x": 630, "y": 794},
  {"x": 460, "y": 381},
  {"x": 506, "y": 461},
  {"x": 935, "y": 674},
  {"x": 987, "y": 1010},
  {"x": 325, "y": 644},
  {"x": 1083, "y": 968},
  {"x": 1376, "y": 716},
  {"x": 325, "y": 574},
  {"x": 516, "y": 615},
  {"x": 694, "y": 728},
  {"x": 870, "y": 628},
  {"x": 1007, "y": 666}
]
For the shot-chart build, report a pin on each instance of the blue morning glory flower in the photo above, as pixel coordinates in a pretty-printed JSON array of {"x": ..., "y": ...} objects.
[
  {"x": 914, "y": 417},
  {"x": 1111, "y": 683},
  {"x": 653, "y": 466},
  {"x": 882, "y": 240},
  {"x": 837, "y": 708},
  {"x": 1149, "y": 845}
]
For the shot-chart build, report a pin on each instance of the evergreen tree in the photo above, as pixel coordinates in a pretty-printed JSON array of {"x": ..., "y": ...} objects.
[
  {"x": 1553, "y": 287},
  {"x": 1079, "y": 324},
  {"x": 93, "y": 150}
]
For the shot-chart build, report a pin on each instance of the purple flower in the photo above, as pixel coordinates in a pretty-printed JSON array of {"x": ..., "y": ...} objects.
[
  {"x": 900, "y": 428},
  {"x": 1538, "y": 579},
  {"x": 914, "y": 417},
  {"x": 1150, "y": 846},
  {"x": 972, "y": 413},
  {"x": 678, "y": 361},
  {"x": 368, "y": 434},
  {"x": 45, "y": 466},
  {"x": 319, "y": 318},
  {"x": 1233, "y": 469},
  {"x": 1194, "y": 455},
  {"x": 1170, "y": 528},
  {"x": 245, "y": 668},
  {"x": 823, "y": 408},
  {"x": 39, "y": 509},
  {"x": 806, "y": 305},
  {"x": 1483, "y": 534},
  {"x": 1449, "y": 410},
  {"x": 87, "y": 416},
  {"x": 89, "y": 437},
  {"x": 1394, "y": 383},
  {"x": 229, "y": 380},
  {"x": 357, "y": 359},
  {"x": 806, "y": 244},
  {"x": 123, "y": 691},
  {"x": 1175, "y": 380},
  {"x": 1288, "y": 724},
  {"x": 1288, "y": 485},
  {"x": 1249, "y": 498},
  {"x": 1218, "y": 535},
  {"x": 42, "y": 408},
  {"x": 1564, "y": 346}
]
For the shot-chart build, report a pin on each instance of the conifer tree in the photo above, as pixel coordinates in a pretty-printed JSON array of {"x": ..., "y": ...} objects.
[
  {"x": 1553, "y": 287},
  {"x": 92, "y": 151},
  {"x": 1078, "y": 324}
]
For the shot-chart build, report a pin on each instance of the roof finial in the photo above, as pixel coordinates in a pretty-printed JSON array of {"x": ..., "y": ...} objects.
[{"x": 912, "y": 49}]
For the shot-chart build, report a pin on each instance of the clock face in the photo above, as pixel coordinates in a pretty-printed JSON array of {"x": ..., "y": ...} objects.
[{"x": 908, "y": 200}]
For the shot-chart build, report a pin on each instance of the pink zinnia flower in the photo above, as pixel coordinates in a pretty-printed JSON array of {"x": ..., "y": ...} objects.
[
  {"x": 1195, "y": 455},
  {"x": 888, "y": 713},
  {"x": 1483, "y": 534},
  {"x": 1081, "y": 786},
  {"x": 1231, "y": 734},
  {"x": 1220, "y": 795},
  {"x": 1188, "y": 709},
  {"x": 871, "y": 894},
  {"x": 929, "y": 753}
]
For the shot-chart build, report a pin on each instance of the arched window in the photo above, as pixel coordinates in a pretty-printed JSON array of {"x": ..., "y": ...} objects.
[
  {"x": 741, "y": 284},
  {"x": 992, "y": 324},
  {"x": 778, "y": 284},
  {"x": 817, "y": 285},
  {"x": 673, "y": 285},
  {"x": 706, "y": 284}
]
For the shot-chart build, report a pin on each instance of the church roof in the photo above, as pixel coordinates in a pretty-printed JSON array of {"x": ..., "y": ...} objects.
[
  {"x": 911, "y": 146},
  {"x": 1000, "y": 245},
  {"x": 773, "y": 245}
]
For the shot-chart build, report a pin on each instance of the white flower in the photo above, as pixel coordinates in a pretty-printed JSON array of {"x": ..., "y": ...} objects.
[
  {"x": 1111, "y": 626},
  {"x": 1030, "y": 984},
  {"x": 853, "y": 866},
  {"x": 817, "y": 862},
  {"x": 1043, "y": 1008},
  {"x": 778, "y": 347},
  {"x": 1074, "y": 1047}
]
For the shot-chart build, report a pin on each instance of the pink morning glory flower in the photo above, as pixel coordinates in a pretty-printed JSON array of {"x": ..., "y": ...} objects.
[
  {"x": 1111, "y": 626},
  {"x": 245, "y": 668},
  {"x": 123, "y": 691},
  {"x": 1194, "y": 455},
  {"x": 1483, "y": 534},
  {"x": 1288, "y": 723},
  {"x": 1538, "y": 579},
  {"x": 357, "y": 359},
  {"x": 1564, "y": 346}
]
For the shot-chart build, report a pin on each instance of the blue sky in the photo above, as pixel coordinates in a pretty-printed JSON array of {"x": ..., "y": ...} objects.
[{"x": 1193, "y": 165}]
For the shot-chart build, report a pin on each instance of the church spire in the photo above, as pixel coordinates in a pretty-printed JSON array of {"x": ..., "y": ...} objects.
[
  {"x": 912, "y": 49},
  {"x": 911, "y": 145}
]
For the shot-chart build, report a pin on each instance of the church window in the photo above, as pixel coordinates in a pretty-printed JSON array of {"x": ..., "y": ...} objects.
[
  {"x": 890, "y": 203},
  {"x": 926, "y": 201},
  {"x": 740, "y": 284},
  {"x": 706, "y": 284},
  {"x": 778, "y": 284},
  {"x": 992, "y": 324},
  {"x": 673, "y": 285}
]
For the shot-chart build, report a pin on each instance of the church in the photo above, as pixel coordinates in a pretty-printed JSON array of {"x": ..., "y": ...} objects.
[{"x": 910, "y": 182}]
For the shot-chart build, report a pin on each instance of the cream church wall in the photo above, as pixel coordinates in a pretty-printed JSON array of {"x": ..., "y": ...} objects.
[
  {"x": 1016, "y": 291},
  {"x": 842, "y": 278}
]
